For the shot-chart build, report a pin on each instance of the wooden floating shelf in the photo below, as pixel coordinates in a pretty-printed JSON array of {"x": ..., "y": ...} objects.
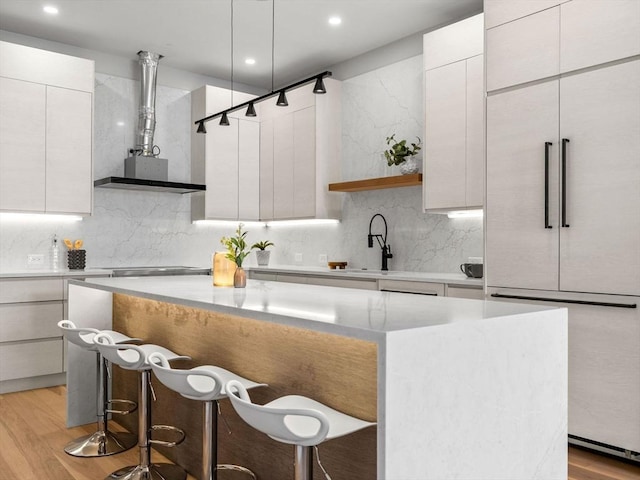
[{"x": 411, "y": 180}]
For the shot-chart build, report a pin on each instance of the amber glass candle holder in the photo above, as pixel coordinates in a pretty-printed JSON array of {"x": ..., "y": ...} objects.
[{"x": 223, "y": 270}]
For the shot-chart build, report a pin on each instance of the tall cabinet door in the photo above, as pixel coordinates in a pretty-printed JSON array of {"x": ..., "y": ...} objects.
[
  {"x": 266, "y": 169},
  {"x": 249, "y": 170},
  {"x": 304, "y": 147},
  {"x": 22, "y": 145},
  {"x": 523, "y": 253},
  {"x": 222, "y": 172},
  {"x": 445, "y": 126},
  {"x": 600, "y": 116},
  {"x": 475, "y": 132},
  {"x": 69, "y": 151},
  {"x": 283, "y": 161}
]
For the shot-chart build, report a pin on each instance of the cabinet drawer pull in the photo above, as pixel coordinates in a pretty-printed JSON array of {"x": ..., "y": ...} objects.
[
  {"x": 564, "y": 183},
  {"x": 564, "y": 300},
  {"x": 547, "y": 147},
  {"x": 432, "y": 294}
]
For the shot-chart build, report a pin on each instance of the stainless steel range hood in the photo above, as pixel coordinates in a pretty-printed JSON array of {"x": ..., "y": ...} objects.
[{"x": 143, "y": 169}]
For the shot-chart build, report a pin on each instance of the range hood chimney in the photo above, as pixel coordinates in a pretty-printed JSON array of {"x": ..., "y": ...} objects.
[{"x": 143, "y": 169}]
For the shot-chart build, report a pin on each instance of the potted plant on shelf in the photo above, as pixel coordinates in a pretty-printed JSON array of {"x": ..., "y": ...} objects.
[
  {"x": 400, "y": 154},
  {"x": 237, "y": 251},
  {"x": 262, "y": 254}
]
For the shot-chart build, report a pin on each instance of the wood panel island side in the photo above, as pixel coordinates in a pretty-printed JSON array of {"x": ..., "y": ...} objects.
[{"x": 459, "y": 388}]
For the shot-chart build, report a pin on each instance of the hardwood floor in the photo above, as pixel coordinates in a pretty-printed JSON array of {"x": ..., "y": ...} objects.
[{"x": 33, "y": 435}]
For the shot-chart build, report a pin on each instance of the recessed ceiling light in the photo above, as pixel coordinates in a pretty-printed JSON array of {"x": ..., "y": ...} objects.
[
  {"x": 335, "y": 21},
  {"x": 50, "y": 9},
  {"x": 250, "y": 61},
  {"x": 120, "y": 124}
]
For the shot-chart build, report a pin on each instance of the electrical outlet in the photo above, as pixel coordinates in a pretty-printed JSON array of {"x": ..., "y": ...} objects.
[
  {"x": 298, "y": 258},
  {"x": 322, "y": 259},
  {"x": 35, "y": 260}
]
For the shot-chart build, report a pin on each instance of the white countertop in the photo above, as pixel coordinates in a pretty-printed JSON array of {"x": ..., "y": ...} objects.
[
  {"x": 343, "y": 311},
  {"x": 351, "y": 273},
  {"x": 89, "y": 272}
]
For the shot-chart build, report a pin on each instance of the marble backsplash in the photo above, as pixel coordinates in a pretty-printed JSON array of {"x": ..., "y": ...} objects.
[{"x": 130, "y": 228}]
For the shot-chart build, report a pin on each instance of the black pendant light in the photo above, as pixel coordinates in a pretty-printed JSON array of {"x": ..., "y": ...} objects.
[
  {"x": 319, "y": 86},
  {"x": 251, "y": 111},
  {"x": 282, "y": 100},
  {"x": 224, "y": 120},
  {"x": 201, "y": 128}
]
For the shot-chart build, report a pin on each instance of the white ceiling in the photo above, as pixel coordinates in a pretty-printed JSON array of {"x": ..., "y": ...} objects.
[{"x": 194, "y": 35}]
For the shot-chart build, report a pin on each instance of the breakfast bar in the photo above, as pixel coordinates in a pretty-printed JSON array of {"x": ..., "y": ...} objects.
[{"x": 458, "y": 388}]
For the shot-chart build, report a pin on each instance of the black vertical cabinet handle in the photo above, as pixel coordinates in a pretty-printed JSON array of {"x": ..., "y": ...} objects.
[
  {"x": 547, "y": 147},
  {"x": 564, "y": 182}
]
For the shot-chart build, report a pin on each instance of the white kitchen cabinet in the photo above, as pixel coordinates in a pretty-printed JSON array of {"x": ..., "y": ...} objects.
[
  {"x": 497, "y": 12},
  {"x": 459, "y": 291},
  {"x": 574, "y": 35},
  {"x": 520, "y": 251},
  {"x": 227, "y": 157},
  {"x": 266, "y": 168},
  {"x": 454, "y": 121},
  {"x": 294, "y": 192},
  {"x": 69, "y": 147},
  {"x": 300, "y": 155},
  {"x": 22, "y": 145},
  {"x": 32, "y": 350},
  {"x": 597, "y": 123},
  {"x": 420, "y": 288},
  {"x": 46, "y": 129},
  {"x": 31, "y": 346},
  {"x": 604, "y": 354},
  {"x": 523, "y": 50}
]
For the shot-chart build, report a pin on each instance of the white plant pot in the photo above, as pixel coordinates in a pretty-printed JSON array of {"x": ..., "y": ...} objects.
[{"x": 263, "y": 257}]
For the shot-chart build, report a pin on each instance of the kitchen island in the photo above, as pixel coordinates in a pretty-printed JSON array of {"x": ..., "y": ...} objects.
[{"x": 459, "y": 388}]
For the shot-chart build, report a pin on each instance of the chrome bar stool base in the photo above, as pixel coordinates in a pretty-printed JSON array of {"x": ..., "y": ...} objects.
[
  {"x": 236, "y": 468},
  {"x": 101, "y": 444},
  {"x": 156, "y": 471}
]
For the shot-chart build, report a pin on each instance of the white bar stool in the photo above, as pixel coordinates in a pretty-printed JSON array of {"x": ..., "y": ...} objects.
[
  {"x": 134, "y": 357},
  {"x": 102, "y": 442},
  {"x": 295, "y": 420},
  {"x": 206, "y": 384}
]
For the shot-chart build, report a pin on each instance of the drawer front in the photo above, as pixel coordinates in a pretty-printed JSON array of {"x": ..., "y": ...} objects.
[
  {"x": 272, "y": 277},
  {"x": 462, "y": 292},
  {"x": 344, "y": 283},
  {"x": 425, "y": 288},
  {"x": 32, "y": 359},
  {"x": 30, "y": 321},
  {"x": 31, "y": 290}
]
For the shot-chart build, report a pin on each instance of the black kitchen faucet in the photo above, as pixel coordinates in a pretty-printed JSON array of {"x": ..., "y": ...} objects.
[{"x": 382, "y": 241}]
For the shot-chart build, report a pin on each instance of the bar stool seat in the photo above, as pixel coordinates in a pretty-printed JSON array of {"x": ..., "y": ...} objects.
[
  {"x": 102, "y": 442},
  {"x": 135, "y": 357},
  {"x": 206, "y": 384},
  {"x": 296, "y": 420}
]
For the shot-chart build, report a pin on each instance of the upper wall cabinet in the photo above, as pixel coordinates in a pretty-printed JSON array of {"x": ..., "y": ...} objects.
[
  {"x": 454, "y": 117},
  {"x": 300, "y": 155},
  {"x": 574, "y": 35},
  {"x": 46, "y": 130},
  {"x": 226, "y": 159},
  {"x": 497, "y": 12}
]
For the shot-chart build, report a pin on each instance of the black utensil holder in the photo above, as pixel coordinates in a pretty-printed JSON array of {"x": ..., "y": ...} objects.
[{"x": 76, "y": 259}]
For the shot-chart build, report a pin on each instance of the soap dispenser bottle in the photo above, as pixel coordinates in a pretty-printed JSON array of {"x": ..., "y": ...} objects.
[{"x": 55, "y": 254}]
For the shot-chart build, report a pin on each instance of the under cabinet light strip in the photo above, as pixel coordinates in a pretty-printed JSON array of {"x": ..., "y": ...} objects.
[
  {"x": 38, "y": 217},
  {"x": 202, "y": 121},
  {"x": 465, "y": 214}
]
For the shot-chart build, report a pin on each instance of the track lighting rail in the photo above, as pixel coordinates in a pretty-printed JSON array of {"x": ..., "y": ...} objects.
[{"x": 318, "y": 88}]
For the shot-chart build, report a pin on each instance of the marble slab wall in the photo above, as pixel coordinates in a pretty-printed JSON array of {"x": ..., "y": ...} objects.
[{"x": 130, "y": 228}]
